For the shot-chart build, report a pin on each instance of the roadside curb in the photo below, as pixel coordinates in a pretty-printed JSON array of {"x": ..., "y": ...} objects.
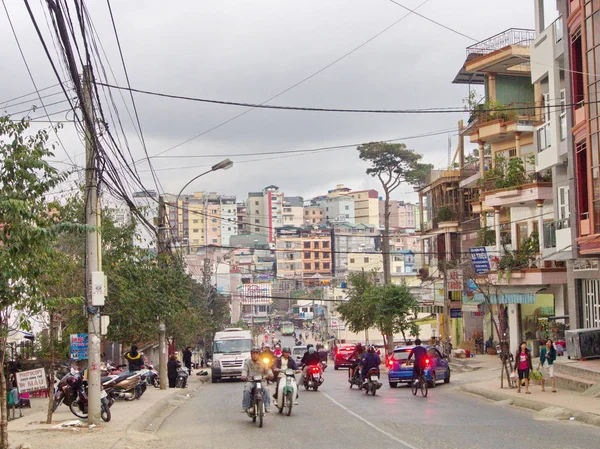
[
  {"x": 153, "y": 418},
  {"x": 585, "y": 417}
]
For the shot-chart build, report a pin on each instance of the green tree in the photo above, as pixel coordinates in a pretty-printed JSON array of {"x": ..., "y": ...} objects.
[
  {"x": 392, "y": 164},
  {"x": 28, "y": 228},
  {"x": 358, "y": 312}
]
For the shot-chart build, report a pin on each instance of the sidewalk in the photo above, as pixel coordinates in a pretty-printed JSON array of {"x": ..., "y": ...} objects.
[
  {"x": 564, "y": 404},
  {"x": 128, "y": 418}
]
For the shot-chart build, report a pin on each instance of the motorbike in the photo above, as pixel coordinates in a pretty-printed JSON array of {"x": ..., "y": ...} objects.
[
  {"x": 182, "y": 378},
  {"x": 287, "y": 391},
  {"x": 79, "y": 404},
  {"x": 127, "y": 385},
  {"x": 257, "y": 409},
  {"x": 313, "y": 378},
  {"x": 355, "y": 378},
  {"x": 372, "y": 383},
  {"x": 153, "y": 378},
  {"x": 64, "y": 392}
]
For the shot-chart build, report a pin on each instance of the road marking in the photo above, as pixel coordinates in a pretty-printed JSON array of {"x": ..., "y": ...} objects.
[{"x": 369, "y": 423}]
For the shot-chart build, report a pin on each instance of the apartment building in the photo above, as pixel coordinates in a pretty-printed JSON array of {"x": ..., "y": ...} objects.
[
  {"x": 242, "y": 223},
  {"x": 366, "y": 206},
  {"x": 229, "y": 219},
  {"x": 402, "y": 215},
  {"x": 337, "y": 209},
  {"x": 264, "y": 211},
  {"x": 293, "y": 211},
  {"x": 313, "y": 215},
  {"x": 350, "y": 239},
  {"x": 147, "y": 203},
  {"x": 579, "y": 20},
  {"x": 306, "y": 256}
]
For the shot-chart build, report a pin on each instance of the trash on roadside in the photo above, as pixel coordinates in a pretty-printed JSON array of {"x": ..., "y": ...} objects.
[
  {"x": 572, "y": 418},
  {"x": 73, "y": 423}
]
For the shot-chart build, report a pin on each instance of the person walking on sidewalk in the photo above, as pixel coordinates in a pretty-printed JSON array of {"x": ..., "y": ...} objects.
[
  {"x": 187, "y": 359},
  {"x": 547, "y": 358},
  {"x": 172, "y": 366},
  {"x": 523, "y": 366}
]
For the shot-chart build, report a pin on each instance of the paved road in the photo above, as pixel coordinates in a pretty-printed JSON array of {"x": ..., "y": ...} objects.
[{"x": 338, "y": 417}]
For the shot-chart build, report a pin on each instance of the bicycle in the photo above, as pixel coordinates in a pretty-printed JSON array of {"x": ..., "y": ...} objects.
[{"x": 420, "y": 383}]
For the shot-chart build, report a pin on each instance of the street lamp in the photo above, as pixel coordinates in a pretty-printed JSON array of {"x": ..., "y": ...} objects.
[{"x": 225, "y": 164}]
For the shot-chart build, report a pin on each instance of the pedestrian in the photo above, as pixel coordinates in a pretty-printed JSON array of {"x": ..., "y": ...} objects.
[
  {"x": 134, "y": 359},
  {"x": 187, "y": 359},
  {"x": 547, "y": 358},
  {"x": 172, "y": 366},
  {"x": 523, "y": 366}
]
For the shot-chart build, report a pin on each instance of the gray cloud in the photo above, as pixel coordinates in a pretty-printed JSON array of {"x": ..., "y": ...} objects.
[{"x": 249, "y": 51}]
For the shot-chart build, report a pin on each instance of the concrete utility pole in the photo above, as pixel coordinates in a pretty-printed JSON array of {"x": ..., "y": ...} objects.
[
  {"x": 93, "y": 259},
  {"x": 447, "y": 318},
  {"x": 162, "y": 338}
]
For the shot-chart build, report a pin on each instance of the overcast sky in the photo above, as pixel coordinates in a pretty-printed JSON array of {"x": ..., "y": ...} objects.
[{"x": 248, "y": 51}]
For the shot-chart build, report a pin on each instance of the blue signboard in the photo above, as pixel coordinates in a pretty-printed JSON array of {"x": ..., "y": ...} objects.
[
  {"x": 79, "y": 347},
  {"x": 480, "y": 260},
  {"x": 455, "y": 313}
]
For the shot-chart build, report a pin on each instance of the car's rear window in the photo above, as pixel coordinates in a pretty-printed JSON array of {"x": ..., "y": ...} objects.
[
  {"x": 346, "y": 349},
  {"x": 401, "y": 355}
]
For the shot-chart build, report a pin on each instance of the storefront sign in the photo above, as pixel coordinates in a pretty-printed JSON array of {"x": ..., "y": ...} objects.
[
  {"x": 455, "y": 280},
  {"x": 79, "y": 347},
  {"x": 455, "y": 313},
  {"x": 480, "y": 260},
  {"x": 256, "y": 294},
  {"x": 32, "y": 380}
]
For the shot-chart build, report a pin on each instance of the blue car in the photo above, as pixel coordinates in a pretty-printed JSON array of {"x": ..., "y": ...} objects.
[{"x": 436, "y": 367}]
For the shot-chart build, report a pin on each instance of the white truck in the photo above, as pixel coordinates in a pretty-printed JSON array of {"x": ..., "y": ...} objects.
[{"x": 230, "y": 348}]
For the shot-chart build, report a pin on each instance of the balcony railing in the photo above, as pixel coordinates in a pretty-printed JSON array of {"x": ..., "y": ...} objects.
[
  {"x": 520, "y": 112},
  {"x": 512, "y": 36}
]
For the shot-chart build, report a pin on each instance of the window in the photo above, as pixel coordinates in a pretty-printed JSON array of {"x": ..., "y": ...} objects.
[
  {"x": 325, "y": 255},
  {"x": 544, "y": 138},
  {"x": 313, "y": 212},
  {"x": 351, "y": 260},
  {"x": 214, "y": 240},
  {"x": 581, "y": 167},
  {"x": 315, "y": 244},
  {"x": 577, "y": 67},
  {"x": 307, "y": 266},
  {"x": 397, "y": 258},
  {"x": 325, "y": 244},
  {"x": 366, "y": 260},
  {"x": 326, "y": 265},
  {"x": 257, "y": 229},
  {"x": 563, "y": 203},
  {"x": 317, "y": 266},
  {"x": 347, "y": 207},
  {"x": 256, "y": 204},
  {"x": 307, "y": 255},
  {"x": 316, "y": 254},
  {"x": 256, "y": 220},
  {"x": 558, "y": 29},
  {"x": 229, "y": 229},
  {"x": 307, "y": 245},
  {"x": 214, "y": 229},
  {"x": 214, "y": 220},
  {"x": 563, "y": 114},
  {"x": 194, "y": 230},
  {"x": 327, "y": 209},
  {"x": 194, "y": 221},
  {"x": 256, "y": 212}
]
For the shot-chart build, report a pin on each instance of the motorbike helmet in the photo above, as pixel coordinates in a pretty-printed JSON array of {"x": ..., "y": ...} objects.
[
  {"x": 371, "y": 348},
  {"x": 308, "y": 346},
  {"x": 255, "y": 349},
  {"x": 277, "y": 346},
  {"x": 286, "y": 349}
]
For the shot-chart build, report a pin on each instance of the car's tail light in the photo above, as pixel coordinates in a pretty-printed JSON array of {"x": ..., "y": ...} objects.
[
  {"x": 390, "y": 363},
  {"x": 426, "y": 361}
]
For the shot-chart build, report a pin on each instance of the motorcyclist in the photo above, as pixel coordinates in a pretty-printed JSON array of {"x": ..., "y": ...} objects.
[
  {"x": 370, "y": 360},
  {"x": 254, "y": 366},
  {"x": 356, "y": 357},
  {"x": 310, "y": 358},
  {"x": 277, "y": 352},
  {"x": 286, "y": 361},
  {"x": 134, "y": 359},
  {"x": 420, "y": 354},
  {"x": 267, "y": 353}
]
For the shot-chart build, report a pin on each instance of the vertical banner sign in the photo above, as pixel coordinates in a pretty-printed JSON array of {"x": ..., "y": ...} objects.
[
  {"x": 479, "y": 258},
  {"x": 455, "y": 280},
  {"x": 79, "y": 347},
  {"x": 256, "y": 294}
]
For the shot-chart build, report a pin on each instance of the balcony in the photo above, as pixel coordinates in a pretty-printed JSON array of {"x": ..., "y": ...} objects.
[
  {"x": 525, "y": 194},
  {"x": 503, "y": 53},
  {"x": 530, "y": 276}
]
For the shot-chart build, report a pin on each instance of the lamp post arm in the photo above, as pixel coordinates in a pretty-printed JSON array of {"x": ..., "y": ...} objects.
[{"x": 189, "y": 182}]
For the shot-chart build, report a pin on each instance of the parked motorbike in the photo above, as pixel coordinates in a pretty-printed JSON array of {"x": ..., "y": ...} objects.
[
  {"x": 182, "y": 378},
  {"x": 64, "y": 392},
  {"x": 127, "y": 386},
  {"x": 372, "y": 383},
  {"x": 79, "y": 405},
  {"x": 257, "y": 408},
  {"x": 287, "y": 391},
  {"x": 313, "y": 378},
  {"x": 153, "y": 378}
]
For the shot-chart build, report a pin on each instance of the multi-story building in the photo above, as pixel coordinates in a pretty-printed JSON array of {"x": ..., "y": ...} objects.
[
  {"x": 212, "y": 220},
  {"x": 229, "y": 219},
  {"x": 402, "y": 215},
  {"x": 581, "y": 40},
  {"x": 147, "y": 203},
  {"x": 305, "y": 256},
  {"x": 293, "y": 211},
  {"x": 366, "y": 206},
  {"x": 242, "y": 219},
  {"x": 518, "y": 160},
  {"x": 264, "y": 211},
  {"x": 338, "y": 209},
  {"x": 288, "y": 251},
  {"x": 313, "y": 215},
  {"x": 350, "y": 239}
]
